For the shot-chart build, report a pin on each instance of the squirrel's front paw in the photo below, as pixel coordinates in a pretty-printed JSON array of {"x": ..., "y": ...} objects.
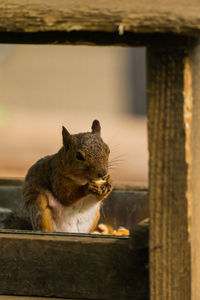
[{"x": 101, "y": 188}]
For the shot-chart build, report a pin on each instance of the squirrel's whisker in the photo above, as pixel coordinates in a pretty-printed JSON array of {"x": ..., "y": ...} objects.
[
  {"x": 116, "y": 162},
  {"x": 112, "y": 168}
]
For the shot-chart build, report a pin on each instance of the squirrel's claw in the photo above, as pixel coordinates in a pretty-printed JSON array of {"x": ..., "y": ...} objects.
[{"x": 101, "y": 191}]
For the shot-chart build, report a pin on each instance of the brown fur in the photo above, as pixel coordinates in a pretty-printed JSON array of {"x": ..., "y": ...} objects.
[
  {"x": 68, "y": 175},
  {"x": 44, "y": 213}
]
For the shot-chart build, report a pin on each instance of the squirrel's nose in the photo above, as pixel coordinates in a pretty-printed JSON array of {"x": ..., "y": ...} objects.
[{"x": 102, "y": 173}]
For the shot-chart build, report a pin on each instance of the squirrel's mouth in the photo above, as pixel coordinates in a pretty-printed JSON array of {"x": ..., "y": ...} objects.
[
  {"x": 104, "y": 178},
  {"x": 82, "y": 180}
]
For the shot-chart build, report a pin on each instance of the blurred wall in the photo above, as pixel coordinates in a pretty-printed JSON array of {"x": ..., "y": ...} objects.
[
  {"x": 45, "y": 87},
  {"x": 63, "y": 77}
]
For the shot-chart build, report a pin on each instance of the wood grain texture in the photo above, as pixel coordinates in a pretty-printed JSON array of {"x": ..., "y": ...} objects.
[
  {"x": 125, "y": 208},
  {"x": 102, "y": 15},
  {"x": 73, "y": 267},
  {"x": 10, "y": 297},
  {"x": 95, "y": 22},
  {"x": 168, "y": 177},
  {"x": 195, "y": 170},
  {"x": 11, "y": 181}
]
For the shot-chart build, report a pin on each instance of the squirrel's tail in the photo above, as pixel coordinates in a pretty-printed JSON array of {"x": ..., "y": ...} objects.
[{"x": 10, "y": 219}]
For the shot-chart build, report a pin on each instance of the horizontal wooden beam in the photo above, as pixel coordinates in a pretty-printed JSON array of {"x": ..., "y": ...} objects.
[
  {"x": 9, "y": 297},
  {"x": 95, "y": 22},
  {"x": 89, "y": 38},
  {"x": 4, "y": 181},
  {"x": 74, "y": 266},
  {"x": 103, "y": 15}
]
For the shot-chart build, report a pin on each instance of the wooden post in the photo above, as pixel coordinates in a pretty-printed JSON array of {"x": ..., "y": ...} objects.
[
  {"x": 169, "y": 172},
  {"x": 195, "y": 171}
]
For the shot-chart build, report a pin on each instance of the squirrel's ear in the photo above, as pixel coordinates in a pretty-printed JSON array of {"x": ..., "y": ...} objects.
[
  {"x": 66, "y": 138},
  {"x": 96, "y": 127}
]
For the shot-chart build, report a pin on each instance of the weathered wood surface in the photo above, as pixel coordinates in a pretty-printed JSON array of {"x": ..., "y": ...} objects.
[
  {"x": 125, "y": 208},
  {"x": 103, "y": 15},
  {"x": 10, "y": 196},
  {"x": 195, "y": 170},
  {"x": 95, "y": 22},
  {"x": 73, "y": 267},
  {"x": 9, "y": 297},
  {"x": 11, "y": 181},
  {"x": 168, "y": 178}
]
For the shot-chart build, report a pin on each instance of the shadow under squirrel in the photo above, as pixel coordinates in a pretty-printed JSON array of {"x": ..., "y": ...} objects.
[{"x": 61, "y": 192}]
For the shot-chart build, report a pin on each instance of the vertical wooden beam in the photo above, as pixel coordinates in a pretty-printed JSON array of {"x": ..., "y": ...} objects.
[
  {"x": 168, "y": 174},
  {"x": 195, "y": 171}
]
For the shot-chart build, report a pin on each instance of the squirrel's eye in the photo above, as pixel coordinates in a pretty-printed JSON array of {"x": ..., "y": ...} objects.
[{"x": 80, "y": 156}]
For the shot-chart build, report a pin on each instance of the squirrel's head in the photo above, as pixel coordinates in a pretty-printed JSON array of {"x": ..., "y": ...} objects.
[{"x": 85, "y": 155}]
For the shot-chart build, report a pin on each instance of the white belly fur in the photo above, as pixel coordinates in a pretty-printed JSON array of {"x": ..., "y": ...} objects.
[{"x": 78, "y": 217}]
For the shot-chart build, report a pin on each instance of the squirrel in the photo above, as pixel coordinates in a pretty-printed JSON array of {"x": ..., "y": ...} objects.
[{"x": 63, "y": 192}]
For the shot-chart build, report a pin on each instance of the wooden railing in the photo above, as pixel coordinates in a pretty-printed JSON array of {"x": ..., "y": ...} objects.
[{"x": 170, "y": 31}]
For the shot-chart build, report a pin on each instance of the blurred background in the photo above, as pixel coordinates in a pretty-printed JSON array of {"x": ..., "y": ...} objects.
[{"x": 45, "y": 87}]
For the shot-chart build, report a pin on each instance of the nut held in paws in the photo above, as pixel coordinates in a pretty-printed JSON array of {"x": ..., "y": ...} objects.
[{"x": 99, "y": 181}]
